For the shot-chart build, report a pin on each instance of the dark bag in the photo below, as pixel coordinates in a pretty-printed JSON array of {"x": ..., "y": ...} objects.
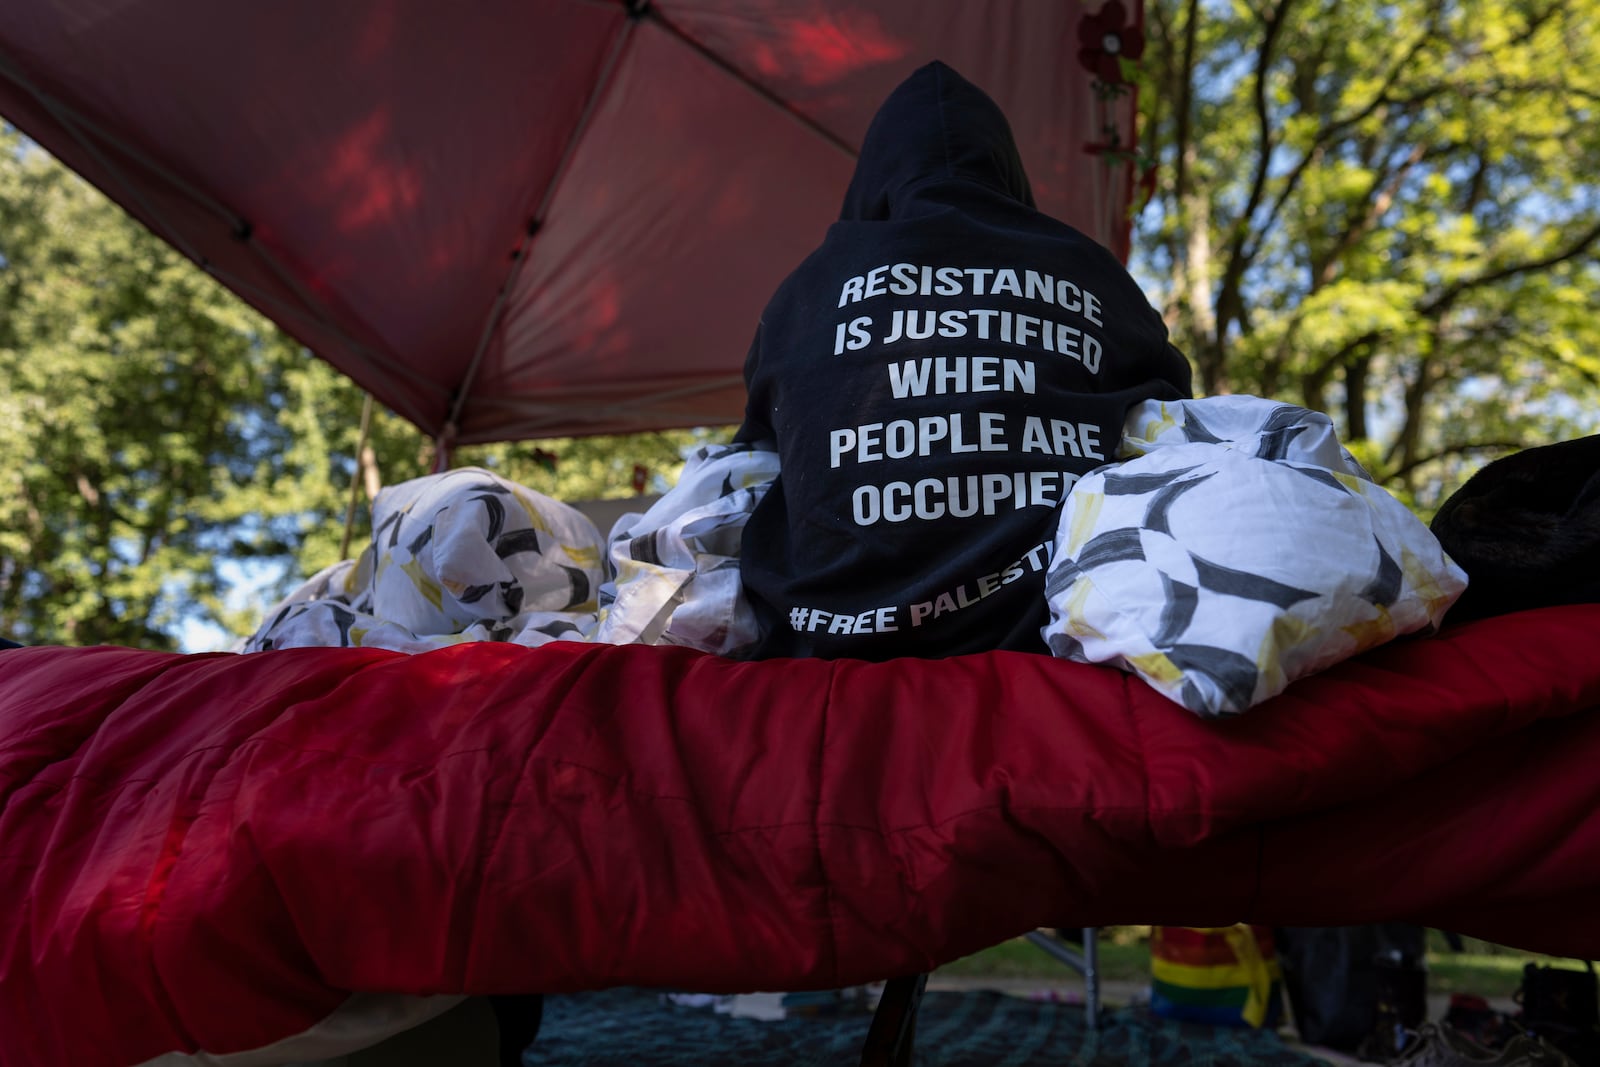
[
  {"x": 1563, "y": 1007},
  {"x": 1331, "y": 974},
  {"x": 1526, "y": 529}
]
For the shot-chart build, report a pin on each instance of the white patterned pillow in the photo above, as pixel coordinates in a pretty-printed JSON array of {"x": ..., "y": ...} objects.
[{"x": 1240, "y": 548}]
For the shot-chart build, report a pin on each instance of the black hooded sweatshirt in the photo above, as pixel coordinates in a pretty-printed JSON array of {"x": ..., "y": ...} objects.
[{"x": 935, "y": 377}]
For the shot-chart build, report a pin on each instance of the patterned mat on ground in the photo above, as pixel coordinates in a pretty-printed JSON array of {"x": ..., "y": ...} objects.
[{"x": 981, "y": 1029}]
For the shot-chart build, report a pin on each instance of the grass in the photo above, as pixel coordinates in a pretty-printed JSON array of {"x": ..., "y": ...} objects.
[{"x": 1124, "y": 956}]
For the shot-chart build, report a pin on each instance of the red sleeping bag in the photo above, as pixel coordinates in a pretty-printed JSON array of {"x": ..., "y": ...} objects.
[{"x": 214, "y": 851}]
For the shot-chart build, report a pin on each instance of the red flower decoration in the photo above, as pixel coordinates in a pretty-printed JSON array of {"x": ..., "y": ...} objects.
[{"x": 1104, "y": 42}]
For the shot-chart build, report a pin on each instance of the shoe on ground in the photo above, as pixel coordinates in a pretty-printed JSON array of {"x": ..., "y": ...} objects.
[{"x": 1441, "y": 1045}]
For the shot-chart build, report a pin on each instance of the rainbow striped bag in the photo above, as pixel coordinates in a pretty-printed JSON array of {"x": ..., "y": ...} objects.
[{"x": 1221, "y": 975}]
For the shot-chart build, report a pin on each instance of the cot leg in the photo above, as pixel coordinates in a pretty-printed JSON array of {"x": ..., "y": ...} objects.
[
  {"x": 1091, "y": 978},
  {"x": 518, "y": 1018},
  {"x": 892, "y": 1035},
  {"x": 1086, "y": 963}
]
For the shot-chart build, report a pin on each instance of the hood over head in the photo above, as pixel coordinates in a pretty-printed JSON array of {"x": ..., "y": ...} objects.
[{"x": 935, "y": 127}]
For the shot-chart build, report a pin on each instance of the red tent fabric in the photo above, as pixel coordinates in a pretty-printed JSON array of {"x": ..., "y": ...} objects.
[{"x": 527, "y": 218}]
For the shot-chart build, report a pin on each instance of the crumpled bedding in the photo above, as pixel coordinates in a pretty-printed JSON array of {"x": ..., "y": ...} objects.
[
  {"x": 1237, "y": 548},
  {"x": 674, "y": 570},
  {"x": 461, "y": 556},
  {"x": 1234, "y": 548},
  {"x": 468, "y": 555}
]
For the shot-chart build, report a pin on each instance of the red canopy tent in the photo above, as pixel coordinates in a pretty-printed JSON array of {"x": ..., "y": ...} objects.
[{"x": 520, "y": 219}]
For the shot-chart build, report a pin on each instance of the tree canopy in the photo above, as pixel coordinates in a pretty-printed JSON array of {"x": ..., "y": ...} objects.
[{"x": 1385, "y": 211}]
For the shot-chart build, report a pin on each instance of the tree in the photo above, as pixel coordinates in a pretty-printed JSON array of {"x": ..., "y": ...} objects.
[
  {"x": 158, "y": 438},
  {"x": 151, "y": 426},
  {"x": 1389, "y": 212}
]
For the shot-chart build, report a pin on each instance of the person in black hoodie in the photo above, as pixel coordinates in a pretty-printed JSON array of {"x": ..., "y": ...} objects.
[{"x": 935, "y": 377}]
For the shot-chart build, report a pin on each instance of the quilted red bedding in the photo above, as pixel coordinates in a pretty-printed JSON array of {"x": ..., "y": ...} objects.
[{"x": 215, "y": 851}]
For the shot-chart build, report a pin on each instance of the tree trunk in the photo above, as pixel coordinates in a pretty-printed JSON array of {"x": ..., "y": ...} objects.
[
  {"x": 1355, "y": 398},
  {"x": 1194, "y": 294}
]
